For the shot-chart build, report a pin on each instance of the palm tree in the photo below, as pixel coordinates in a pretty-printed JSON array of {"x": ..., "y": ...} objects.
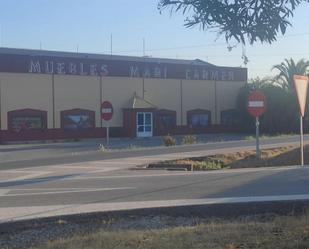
[
  {"x": 287, "y": 70},
  {"x": 259, "y": 83}
]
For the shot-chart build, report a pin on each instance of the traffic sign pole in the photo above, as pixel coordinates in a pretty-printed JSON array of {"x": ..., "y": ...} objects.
[
  {"x": 257, "y": 125},
  {"x": 107, "y": 136},
  {"x": 256, "y": 106},
  {"x": 301, "y": 87},
  {"x": 301, "y": 141},
  {"x": 107, "y": 111}
]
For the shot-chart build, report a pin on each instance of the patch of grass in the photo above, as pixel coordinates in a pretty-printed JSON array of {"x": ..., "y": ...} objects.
[
  {"x": 265, "y": 136},
  {"x": 202, "y": 164},
  {"x": 276, "y": 232},
  {"x": 281, "y": 156},
  {"x": 189, "y": 139},
  {"x": 169, "y": 140},
  {"x": 102, "y": 147},
  {"x": 133, "y": 147}
]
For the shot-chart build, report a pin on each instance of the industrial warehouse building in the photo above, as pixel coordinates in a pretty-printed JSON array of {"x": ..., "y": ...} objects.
[{"x": 58, "y": 95}]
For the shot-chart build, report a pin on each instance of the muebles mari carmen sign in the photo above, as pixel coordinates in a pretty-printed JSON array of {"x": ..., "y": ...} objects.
[{"x": 84, "y": 65}]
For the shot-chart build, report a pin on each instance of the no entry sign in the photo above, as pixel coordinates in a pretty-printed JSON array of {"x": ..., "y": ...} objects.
[
  {"x": 256, "y": 104},
  {"x": 107, "y": 110}
]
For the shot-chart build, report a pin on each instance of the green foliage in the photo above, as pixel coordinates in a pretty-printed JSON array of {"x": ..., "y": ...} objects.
[
  {"x": 189, "y": 139},
  {"x": 287, "y": 70},
  {"x": 282, "y": 109},
  {"x": 169, "y": 140},
  {"x": 250, "y": 20},
  {"x": 102, "y": 147},
  {"x": 207, "y": 165}
]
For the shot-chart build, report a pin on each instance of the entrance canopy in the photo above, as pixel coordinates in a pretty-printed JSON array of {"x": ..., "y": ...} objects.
[
  {"x": 141, "y": 103},
  {"x": 139, "y": 117}
]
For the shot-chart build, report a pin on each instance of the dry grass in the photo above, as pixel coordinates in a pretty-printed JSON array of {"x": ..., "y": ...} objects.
[
  {"x": 279, "y": 232},
  {"x": 281, "y": 156}
]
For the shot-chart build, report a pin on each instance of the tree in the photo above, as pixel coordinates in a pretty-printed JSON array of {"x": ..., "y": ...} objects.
[
  {"x": 287, "y": 70},
  {"x": 258, "y": 83},
  {"x": 281, "y": 115},
  {"x": 242, "y": 20}
]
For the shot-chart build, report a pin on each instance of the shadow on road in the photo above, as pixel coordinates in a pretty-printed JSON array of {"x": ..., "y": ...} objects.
[{"x": 289, "y": 182}]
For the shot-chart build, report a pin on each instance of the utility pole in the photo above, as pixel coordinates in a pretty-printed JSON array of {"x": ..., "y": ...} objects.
[
  {"x": 111, "y": 44},
  {"x": 1, "y": 36},
  {"x": 144, "y": 47}
]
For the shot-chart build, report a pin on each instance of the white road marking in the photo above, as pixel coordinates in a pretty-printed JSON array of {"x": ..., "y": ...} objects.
[
  {"x": 105, "y": 170},
  {"x": 4, "y": 191},
  {"x": 27, "y": 176},
  {"x": 189, "y": 173},
  {"x": 67, "y": 191}
]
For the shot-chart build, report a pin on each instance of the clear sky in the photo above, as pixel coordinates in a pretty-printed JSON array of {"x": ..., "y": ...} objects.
[{"x": 66, "y": 25}]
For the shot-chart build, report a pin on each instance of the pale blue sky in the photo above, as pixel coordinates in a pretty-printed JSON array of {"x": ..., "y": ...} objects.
[{"x": 65, "y": 24}]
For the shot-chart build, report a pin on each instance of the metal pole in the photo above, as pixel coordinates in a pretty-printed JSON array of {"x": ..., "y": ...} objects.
[
  {"x": 111, "y": 44},
  {"x": 144, "y": 46},
  {"x": 107, "y": 136},
  {"x": 257, "y": 124},
  {"x": 1, "y": 36},
  {"x": 301, "y": 141}
]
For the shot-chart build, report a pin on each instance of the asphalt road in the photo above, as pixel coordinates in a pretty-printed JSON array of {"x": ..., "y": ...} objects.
[
  {"x": 153, "y": 186},
  {"x": 108, "y": 184},
  {"x": 33, "y": 158}
]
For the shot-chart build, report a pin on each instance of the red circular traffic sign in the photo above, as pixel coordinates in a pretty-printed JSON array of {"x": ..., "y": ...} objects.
[
  {"x": 107, "y": 110},
  {"x": 256, "y": 104}
]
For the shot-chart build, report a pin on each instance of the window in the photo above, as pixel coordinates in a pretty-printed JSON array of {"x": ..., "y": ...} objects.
[
  {"x": 199, "y": 118},
  {"x": 27, "y": 120},
  {"x": 77, "y": 120},
  {"x": 166, "y": 119},
  {"x": 229, "y": 117}
]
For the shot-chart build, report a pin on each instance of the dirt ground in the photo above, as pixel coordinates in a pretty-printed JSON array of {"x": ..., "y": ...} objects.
[{"x": 281, "y": 156}]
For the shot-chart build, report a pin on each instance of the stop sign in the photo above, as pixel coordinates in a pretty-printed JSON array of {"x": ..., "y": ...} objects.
[
  {"x": 256, "y": 104},
  {"x": 107, "y": 110}
]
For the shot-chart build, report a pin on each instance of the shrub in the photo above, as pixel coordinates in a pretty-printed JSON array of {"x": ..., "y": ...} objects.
[
  {"x": 208, "y": 165},
  {"x": 189, "y": 139},
  {"x": 102, "y": 147},
  {"x": 169, "y": 140}
]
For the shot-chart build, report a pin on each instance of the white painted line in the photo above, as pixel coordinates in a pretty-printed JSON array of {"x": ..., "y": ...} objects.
[
  {"x": 94, "y": 165},
  {"x": 23, "y": 213},
  {"x": 71, "y": 166},
  {"x": 27, "y": 176},
  {"x": 131, "y": 160},
  {"x": 189, "y": 173},
  {"x": 45, "y": 189},
  {"x": 114, "y": 168},
  {"x": 6, "y": 194},
  {"x": 4, "y": 191}
]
